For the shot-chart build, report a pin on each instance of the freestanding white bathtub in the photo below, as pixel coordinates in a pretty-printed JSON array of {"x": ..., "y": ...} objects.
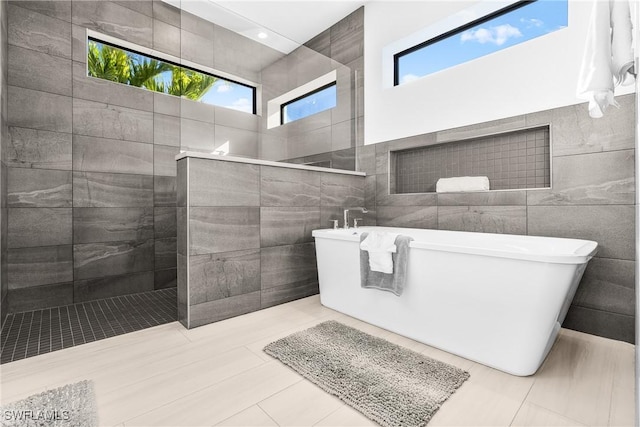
[{"x": 495, "y": 299}]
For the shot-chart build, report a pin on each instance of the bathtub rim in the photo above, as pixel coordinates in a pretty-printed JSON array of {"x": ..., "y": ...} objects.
[{"x": 586, "y": 249}]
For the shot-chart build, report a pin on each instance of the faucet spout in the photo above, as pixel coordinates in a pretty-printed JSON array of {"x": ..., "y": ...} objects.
[{"x": 346, "y": 215}]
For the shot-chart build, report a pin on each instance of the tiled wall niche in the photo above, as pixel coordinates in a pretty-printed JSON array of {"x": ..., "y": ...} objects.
[
  {"x": 511, "y": 160},
  {"x": 592, "y": 196},
  {"x": 244, "y": 234}
]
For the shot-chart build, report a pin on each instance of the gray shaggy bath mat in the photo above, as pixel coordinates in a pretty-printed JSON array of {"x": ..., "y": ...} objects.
[
  {"x": 391, "y": 385},
  {"x": 66, "y": 406}
]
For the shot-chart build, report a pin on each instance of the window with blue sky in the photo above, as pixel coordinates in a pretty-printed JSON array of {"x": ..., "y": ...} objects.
[
  {"x": 311, "y": 103},
  {"x": 116, "y": 64},
  {"x": 513, "y": 25}
]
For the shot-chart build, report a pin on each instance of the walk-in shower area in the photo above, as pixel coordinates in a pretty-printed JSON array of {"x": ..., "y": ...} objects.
[{"x": 89, "y": 147}]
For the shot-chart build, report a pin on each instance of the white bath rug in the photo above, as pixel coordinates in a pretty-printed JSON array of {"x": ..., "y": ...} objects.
[
  {"x": 389, "y": 384},
  {"x": 66, "y": 406}
]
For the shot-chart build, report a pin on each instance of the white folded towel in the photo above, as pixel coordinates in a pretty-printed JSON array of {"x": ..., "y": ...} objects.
[
  {"x": 608, "y": 55},
  {"x": 462, "y": 183},
  {"x": 380, "y": 246}
]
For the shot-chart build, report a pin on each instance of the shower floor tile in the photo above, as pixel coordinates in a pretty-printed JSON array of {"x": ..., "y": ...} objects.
[{"x": 31, "y": 333}]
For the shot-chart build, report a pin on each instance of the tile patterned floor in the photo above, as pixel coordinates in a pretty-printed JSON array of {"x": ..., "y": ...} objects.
[{"x": 37, "y": 332}]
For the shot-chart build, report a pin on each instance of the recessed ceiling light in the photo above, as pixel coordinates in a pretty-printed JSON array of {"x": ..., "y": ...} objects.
[{"x": 262, "y": 35}]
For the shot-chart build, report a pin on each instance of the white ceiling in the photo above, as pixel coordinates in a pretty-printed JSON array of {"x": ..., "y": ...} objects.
[{"x": 287, "y": 24}]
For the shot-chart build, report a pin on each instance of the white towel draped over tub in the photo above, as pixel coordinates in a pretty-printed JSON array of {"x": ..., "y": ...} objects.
[
  {"x": 608, "y": 55},
  {"x": 380, "y": 246},
  {"x": 462, "y": 183}
]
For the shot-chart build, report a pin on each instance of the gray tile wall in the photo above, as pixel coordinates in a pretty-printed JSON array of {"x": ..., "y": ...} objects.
[
  {"x": 328, "y": 138},
  {"x": 4, "y": 137},
  {"x": 592, "y": 196},
  {"x": 90, "y": 188},
  {"x": 245, "y": 234},
  {"x": 512, "y": 160}
]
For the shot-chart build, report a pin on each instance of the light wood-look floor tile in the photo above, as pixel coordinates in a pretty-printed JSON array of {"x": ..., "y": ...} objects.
[
  {"x": 531, "y": 415},
  {"x": 218, "y": 374},
  {"x": 250, "y": 417},
  {"x": 302, "y": 404}
]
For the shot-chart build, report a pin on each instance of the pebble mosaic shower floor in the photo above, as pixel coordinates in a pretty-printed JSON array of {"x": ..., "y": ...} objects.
[{"x": 37, "y": 332}]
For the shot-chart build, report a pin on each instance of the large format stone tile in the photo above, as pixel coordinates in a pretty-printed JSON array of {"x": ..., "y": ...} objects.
[
  {"x": 237, "y": 119},
  {"x": 144, "y": 7},
  {"x": 166, "y": 38},
  {"x": 165, "y": 253},
  {"x": 166, "y": 104},
  {"x": 219, "y": 276},
  {"x": 164, "y": 222},
  {"x": 288, "y": 226},
  {"x": 596, "y": 322},
  {"x": 384, "y": 198},
  {"x": 39, "y": 110},
  {"x": 241, "y": 142},
  {"x": 106, "y": 287},
  {"x": 164, "y": 160},
  {"x": 166, "y": 13},
  {"x": 484, "y": 219},
  {"x": 38, "y": 297},
  {"x": 574, "y": 132},
  {"x": 166, "y": 130},
  {"x": 91, "y": 154},
  {"x": 196, "y": 48},
  {"x": 347, "y": 37},
  {"x": 608, "y": 285},
  {"x": 164, "y": 279},
  {"x": 306, "y": 143},
  {"x": 196, "y": 24},
  {"x": 236, "y": 54},
  {"x": 289, "y": 187},
  {"x": 111, "y": 121},
  {"x": 31, "y": 227},
  {"x": 38, "y": 32},
  {"x": 40, "y": 266},
  {"x": 196, "y": 135},
  {"x": 115, "y": 20},
  {"x": 92, "y": 225},
  {"x": 407, "y": 216},
  {"x": 39, "y": 71},
  {"x": 482, "y": 198},
  {"x": 366, "y": 159},
  {"x": 106, "y": 91},
  {"x": 223, "y": 229},
  {"x": 611, "y": 226},
  {"x": 293, "y": 265},
  {"x": 481, "y": 129},
  {"x": 60, "y": 9},
  {"x": 92, "y": 260},
  {"x": 590, "y": 179},
  {"x": 33, "y": 188},
  {"x": 341, "y": 190},
  {"x": 164, "y": 190},
  {"x": 107, "y": 190},
  {"x": 30, "y": 148},
  {"x": 289, "y": 292},
  {"x": 213, "y": 311},
  {"x": 219, "y": 183}
]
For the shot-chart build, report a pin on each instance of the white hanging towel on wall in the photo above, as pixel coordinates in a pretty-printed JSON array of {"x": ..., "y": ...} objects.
[{"x": 608, "y": 55}]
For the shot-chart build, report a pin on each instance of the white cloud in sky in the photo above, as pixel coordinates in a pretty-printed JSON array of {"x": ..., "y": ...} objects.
[
  {"x": 498, "y": 35},
  {"x": 241, "y": 104},
  {"x": 409, "y": 78},
  {"x": 533, "y": 22},
  {"x": 224, "y": 87}
]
